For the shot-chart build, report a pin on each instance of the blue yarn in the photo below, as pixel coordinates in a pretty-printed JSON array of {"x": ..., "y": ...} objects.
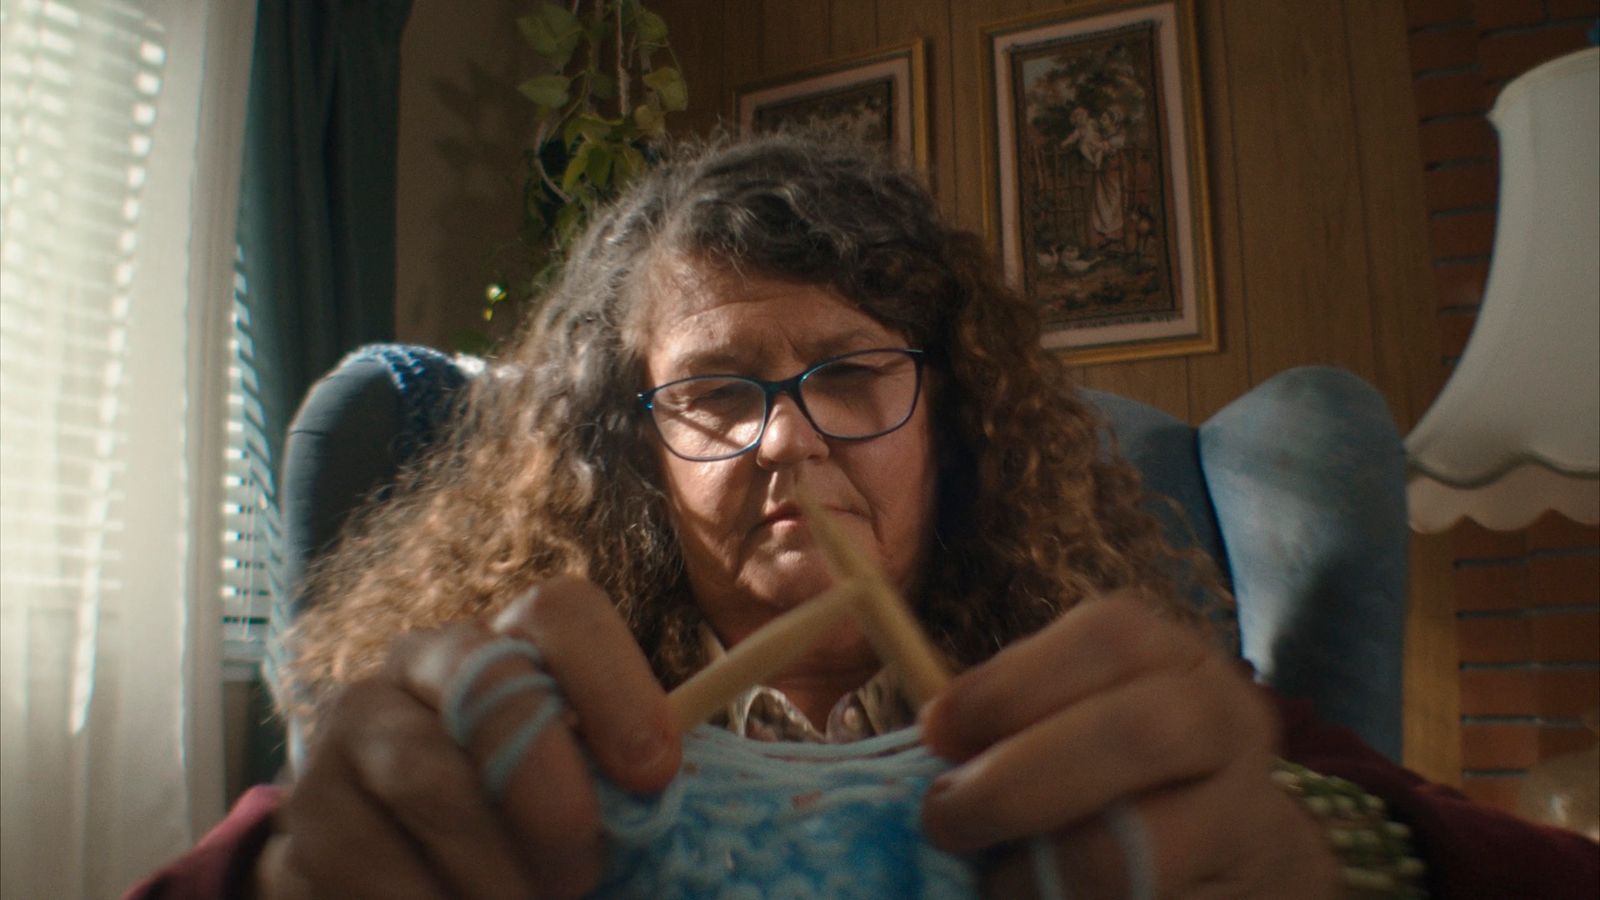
[
  {"x": 1137, "y": 854},
  {"x": 749, "y": 818},
  {"x": 460, "y": 720},
  {"x": 498, "y": 770},
  {"x": 1046, "y": 869}
]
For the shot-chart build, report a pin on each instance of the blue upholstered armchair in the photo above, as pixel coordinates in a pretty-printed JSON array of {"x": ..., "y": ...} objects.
[{"x": 1297, "y": 489}]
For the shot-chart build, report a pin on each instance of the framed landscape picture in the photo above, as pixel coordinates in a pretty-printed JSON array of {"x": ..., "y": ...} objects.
[
  {"x": 879, "y": 96},
  {"x": 1096, "y": 176}
]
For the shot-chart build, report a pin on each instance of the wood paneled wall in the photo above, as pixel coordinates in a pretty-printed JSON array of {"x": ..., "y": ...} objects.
[
  {"x": 1318, "y": 212},
  {"x": 1312, "y": 143}
]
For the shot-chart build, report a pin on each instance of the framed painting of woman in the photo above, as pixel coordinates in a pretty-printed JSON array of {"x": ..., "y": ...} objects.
[{"x": 1096, "y": 177}]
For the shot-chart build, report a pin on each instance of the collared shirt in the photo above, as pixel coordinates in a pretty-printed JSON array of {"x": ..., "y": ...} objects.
[{"x": 766, "y": 714}]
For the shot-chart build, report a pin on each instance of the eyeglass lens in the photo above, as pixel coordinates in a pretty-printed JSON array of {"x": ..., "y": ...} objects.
[{"x": 858, "y": 396}]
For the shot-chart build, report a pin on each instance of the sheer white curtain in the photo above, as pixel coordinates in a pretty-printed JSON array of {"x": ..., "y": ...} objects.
[{"x": 119, "y": 165}]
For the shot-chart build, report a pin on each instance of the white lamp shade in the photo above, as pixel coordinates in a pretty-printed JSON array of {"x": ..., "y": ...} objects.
[{"x": 1516, "y": 430}]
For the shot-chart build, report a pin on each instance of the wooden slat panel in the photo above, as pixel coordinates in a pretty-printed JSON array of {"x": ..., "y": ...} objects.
[
  {"x": 741, "y": 49},
  {"x": 901, "y": 21},
  {"x": 1299, "y": 189},
  {"x": 968, "y": 97},
  {"x": 1215, "y": 379},
  {"x": 1162, "y": 383},
  {"x": 795, "y": 35},
  {"x": 697, "y": 39},
  {"x": 1405, "y": 333},
  {"x": 1400, "y": 277},
  {"x": 853, "y": 27}
]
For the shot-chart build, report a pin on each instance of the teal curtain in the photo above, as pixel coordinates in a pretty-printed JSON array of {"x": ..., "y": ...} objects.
[
  {"x": 316, "y": 221},
  {"x": 315, "y": 231}
]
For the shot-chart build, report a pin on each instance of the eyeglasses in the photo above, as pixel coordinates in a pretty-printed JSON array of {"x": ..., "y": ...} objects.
[{"x": 852, "y": 397}]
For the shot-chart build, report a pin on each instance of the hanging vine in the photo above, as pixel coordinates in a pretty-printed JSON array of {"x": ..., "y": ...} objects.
[{"x": 610, "y": 80}]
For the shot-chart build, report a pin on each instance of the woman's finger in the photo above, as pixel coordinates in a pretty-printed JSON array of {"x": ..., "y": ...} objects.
[
  {"x": 1154, "y": 732},
  {"x": 1149, "y": 847},
  {"x": 1234, "y": 834},
  {"x": 388, "y": 808},
  {"x": 1089, "y": 649},
  {"x": 621, "y": 710},
  {"x": 538, "y": 779}
]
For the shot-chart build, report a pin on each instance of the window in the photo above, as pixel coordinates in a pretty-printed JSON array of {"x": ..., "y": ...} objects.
[
  {"x": 250, "y": 501},
  {"x": 119, "y": 119},
  {"x": 80, "y": 96}
]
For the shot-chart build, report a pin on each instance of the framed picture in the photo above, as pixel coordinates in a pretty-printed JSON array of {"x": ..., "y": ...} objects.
[
  {"x": 880, "y": 96},
  {"x": 1096, "y": 177}
]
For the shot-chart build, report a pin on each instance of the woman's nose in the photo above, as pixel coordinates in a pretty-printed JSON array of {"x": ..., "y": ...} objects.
[{"x": 789, "y": 437}]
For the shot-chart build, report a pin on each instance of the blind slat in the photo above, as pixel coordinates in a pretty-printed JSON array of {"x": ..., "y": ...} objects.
[{"x": 250, "y": 517}]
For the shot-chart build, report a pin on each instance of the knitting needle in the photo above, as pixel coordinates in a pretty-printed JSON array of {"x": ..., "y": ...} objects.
[
  {"x": 860, "y": 589},
  {"x": 766, "y": 652},
  {"x": 883, "y": 616}
]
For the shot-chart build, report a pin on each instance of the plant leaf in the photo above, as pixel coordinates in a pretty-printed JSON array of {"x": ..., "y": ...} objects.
[
  {"x": 649, "y": 119},
  {"x": 552, "y": 32},
  {"x": 652, "y": 29},
  {"x": 630, "y": 165},
  {"x": 575, "y": 171},
  {"x": 569, "y": 132},
  {"x": 593, "y": 127},
  {"x": 548, "y": 91},
  {"x": 669, "y": 86},
  {"x": 600, "y": 162},
  {"x": 602, "y": 86}
]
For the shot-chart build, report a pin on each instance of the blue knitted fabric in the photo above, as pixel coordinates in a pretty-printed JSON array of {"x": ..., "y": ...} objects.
[{"x": 746, "y": 819}]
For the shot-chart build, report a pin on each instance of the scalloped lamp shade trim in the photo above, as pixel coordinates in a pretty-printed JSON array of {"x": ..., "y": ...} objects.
[{"x": 1516, "y": 430}]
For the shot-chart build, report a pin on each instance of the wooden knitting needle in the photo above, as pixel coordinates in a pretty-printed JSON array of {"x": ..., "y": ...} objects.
[
  {"x": 768, "y": 651},
  {"x": 883, "y": 616},
  {"x": 860, "y": 590}
]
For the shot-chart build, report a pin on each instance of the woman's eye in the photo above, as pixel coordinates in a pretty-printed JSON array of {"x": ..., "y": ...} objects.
[
  {"x": 843, "y": 372},
  {"x": 719, "y": 395},
  {"x": 713, "y": 396}
]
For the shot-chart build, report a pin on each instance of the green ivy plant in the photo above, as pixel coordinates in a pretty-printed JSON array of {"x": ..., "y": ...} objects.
[{"x": 609, "y": 80}]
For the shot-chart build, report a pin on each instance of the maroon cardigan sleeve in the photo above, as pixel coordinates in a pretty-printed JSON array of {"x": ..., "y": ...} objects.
[
  {"x": 224, "y": 861},
  {"x": 1471, "y": 851}
]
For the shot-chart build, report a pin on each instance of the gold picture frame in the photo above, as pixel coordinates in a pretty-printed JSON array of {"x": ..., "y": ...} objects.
[
  {"x": 881, "y": 94},
  {"x": 1096, "y": 192}
]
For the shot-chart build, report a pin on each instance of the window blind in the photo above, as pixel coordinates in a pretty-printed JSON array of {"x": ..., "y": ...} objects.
[
  {"x": 78, "y": 102},
  {"x": 250, "y": 500},
  {"x": 81, "y": 89}
]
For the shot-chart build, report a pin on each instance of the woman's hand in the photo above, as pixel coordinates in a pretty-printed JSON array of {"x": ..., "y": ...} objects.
[
  {"x": 390, "y": 806},
  {"x": 1111, "y": 708}
]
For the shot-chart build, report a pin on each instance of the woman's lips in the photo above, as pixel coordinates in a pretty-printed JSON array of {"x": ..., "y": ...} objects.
[
  {"x": 784, "y": 513},
  {"x": 788, "y": 517}
]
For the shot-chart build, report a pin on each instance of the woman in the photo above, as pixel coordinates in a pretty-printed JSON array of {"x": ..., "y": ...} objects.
[{"x": 750, "y": 321}]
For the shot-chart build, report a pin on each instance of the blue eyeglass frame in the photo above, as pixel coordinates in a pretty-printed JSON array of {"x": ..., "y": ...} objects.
[{"x": 790, "y": 386}]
